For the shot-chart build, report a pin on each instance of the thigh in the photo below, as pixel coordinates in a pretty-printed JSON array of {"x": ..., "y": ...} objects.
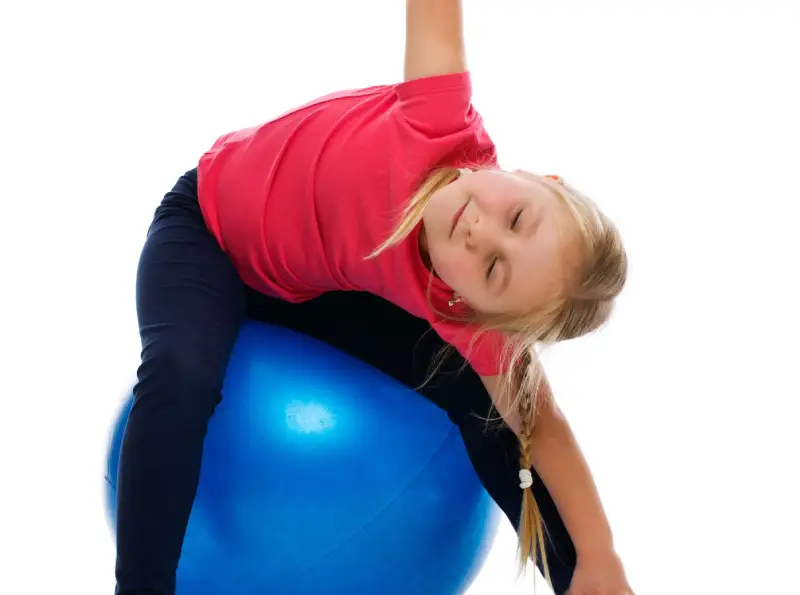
[{"x": 189, "y": 298}]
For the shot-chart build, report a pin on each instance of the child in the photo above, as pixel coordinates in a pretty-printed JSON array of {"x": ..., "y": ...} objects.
[{"x": 386, "y": 203}]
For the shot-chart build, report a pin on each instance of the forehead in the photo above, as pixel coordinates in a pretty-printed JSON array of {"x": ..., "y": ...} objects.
[{"x": 505, "y": 184}]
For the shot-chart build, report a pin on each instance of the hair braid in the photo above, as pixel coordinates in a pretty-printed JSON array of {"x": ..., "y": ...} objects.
[{"x": 531, "y": 527}]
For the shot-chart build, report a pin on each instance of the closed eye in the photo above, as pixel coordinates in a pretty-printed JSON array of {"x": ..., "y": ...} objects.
[
  {"x": 491, "y": 266},
  {"x": 515, "y": 220}
]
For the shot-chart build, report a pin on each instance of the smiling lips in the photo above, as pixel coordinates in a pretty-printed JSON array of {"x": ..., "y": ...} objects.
[{"x": 457, "y": 217}]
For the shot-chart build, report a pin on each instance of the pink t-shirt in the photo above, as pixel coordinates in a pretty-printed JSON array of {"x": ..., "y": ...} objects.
[{"x": 298, "y": 202}]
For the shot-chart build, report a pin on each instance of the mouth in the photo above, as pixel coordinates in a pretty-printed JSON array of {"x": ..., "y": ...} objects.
[{"x": 457, "y": 218}]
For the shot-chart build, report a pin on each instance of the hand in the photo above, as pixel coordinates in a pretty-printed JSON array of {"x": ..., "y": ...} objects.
[{"x": 599, "y": 574}]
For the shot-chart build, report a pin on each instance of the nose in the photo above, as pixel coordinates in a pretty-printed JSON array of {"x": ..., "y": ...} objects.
[{"x": 479, "y": 236}]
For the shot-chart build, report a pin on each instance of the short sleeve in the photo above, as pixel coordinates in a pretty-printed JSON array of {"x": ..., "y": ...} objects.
[
  {"x": 437, "y": 106},
  {"x": 484, "y": 353}
]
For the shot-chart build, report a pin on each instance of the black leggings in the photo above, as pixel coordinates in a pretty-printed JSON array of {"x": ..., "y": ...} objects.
[{"x": 190, "y": 304}]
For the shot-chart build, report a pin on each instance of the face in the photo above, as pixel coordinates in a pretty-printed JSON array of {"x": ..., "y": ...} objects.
[{"x": 500, "y": 240}]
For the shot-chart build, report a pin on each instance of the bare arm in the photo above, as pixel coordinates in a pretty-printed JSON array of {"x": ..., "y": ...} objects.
[
  {"x": 558, "y": 460},
  {"x": 434, "y": 38}
]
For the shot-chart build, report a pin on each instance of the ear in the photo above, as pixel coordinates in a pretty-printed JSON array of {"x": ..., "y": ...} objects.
[{"x": 456, "y": 299}]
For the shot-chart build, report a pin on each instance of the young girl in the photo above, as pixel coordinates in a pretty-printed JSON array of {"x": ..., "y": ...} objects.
[{"x": 366, "y": 218}]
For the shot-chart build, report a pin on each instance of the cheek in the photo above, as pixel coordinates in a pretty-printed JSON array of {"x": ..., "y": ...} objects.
[
  {"x": 441, "y": 258},
  {"x": 453, "y": 266},
  {"x": 444, "y": 201},
  {"x": 495, "y": 197}
]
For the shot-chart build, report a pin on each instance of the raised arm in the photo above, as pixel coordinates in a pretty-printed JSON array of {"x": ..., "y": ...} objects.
[{"x": 434, "y": 38}]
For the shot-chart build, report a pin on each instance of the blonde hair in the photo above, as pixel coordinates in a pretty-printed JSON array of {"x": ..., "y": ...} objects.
[{"x": 583, "y": 307}]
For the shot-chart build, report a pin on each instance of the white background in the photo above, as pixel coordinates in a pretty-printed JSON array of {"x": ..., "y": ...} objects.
[{"x": 680, "y": 118}]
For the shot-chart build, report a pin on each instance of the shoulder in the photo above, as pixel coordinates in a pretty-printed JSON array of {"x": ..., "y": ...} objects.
[
  {"x": 434, "y": 103},
  {"x": 456, "y": 83}
]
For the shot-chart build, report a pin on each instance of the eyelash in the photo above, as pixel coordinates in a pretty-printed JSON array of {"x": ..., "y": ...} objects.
[
  {"x": 491, "y": 267},
  {"x": 493, "y": 262}
]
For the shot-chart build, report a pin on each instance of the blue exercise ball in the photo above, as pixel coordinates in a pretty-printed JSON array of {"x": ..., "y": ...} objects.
[{"x": 321, "y": 476}]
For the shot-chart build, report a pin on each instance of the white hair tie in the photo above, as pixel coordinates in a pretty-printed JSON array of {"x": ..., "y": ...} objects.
[
  {"x": 526, "y": 478},
  {"x": 463, "y": 171}
]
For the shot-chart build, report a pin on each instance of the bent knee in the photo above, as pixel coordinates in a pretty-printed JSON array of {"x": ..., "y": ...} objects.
[{"x": 189, "y": 377}]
